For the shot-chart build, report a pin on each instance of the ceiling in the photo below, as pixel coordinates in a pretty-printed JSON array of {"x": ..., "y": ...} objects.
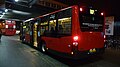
[{"x": 25, "y": 9}]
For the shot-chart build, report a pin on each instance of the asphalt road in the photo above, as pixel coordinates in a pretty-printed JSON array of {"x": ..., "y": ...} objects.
[{"x": 15, "y": 54}]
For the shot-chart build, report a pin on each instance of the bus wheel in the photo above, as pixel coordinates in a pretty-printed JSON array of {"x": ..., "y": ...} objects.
[{"x": 43, "y": 48}]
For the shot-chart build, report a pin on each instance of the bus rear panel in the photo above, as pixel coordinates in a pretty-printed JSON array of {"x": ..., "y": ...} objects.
[{"x": 10, "y": 27}]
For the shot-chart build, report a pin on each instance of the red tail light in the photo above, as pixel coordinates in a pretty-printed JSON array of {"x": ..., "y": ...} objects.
[
  {"x": 102, "y": 14},
  {"x": 81, "y": 9},
  {"x": 75, "y": 38},
  {"x": 104, "y": 36}
]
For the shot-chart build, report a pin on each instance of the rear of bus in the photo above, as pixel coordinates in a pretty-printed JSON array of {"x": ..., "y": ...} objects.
[
  {"x": 10, "y": 28},
  {"x": 77, "y": 33},
  {"x": 88, "y": 34}
]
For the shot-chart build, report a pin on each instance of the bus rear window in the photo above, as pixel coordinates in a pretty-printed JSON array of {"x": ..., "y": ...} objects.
[{"x": 91, "y": 23}]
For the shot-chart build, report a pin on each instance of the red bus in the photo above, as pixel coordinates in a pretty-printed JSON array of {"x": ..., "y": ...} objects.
[
  {"x": 73, "y": 32},
  {"x": 10, "y": 27}
]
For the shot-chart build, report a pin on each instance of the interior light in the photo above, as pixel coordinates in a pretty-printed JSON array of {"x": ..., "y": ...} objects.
[
  {"x": 92, "y": 11},
  {"x": 81, "y": 9},
  {"x": 29, "y": 20},
  {"x": 24, "y": 26}
]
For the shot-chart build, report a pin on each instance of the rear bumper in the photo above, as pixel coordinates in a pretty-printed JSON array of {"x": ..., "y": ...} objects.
[
  {"x": 79, "y": 54},
  {"x": 84, "y": 54}
]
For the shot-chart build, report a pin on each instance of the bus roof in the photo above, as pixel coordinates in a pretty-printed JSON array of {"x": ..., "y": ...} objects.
[{"x": 54, "y": 12}]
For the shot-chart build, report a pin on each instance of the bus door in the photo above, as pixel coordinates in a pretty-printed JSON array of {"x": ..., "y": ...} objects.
[
  {"x": 35, "y": 34},
  {"x": 27, "y": 32},
  {"x": 22, "y": 31},
  {"x": 48, "y": 31}
]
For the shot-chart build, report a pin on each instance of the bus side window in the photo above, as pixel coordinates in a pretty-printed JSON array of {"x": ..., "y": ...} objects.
[
  {"x": 52, "y": 29},
  {"x": 60, "y": 29},
  {"x": 46, "y": 31},
  {"x": 64, "y": 25}
]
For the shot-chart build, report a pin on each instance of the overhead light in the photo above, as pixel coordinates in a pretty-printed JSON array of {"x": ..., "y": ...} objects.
[
  {"x": 20, "y": 12},
  {"x": 6, "y": 10},
  {"x": 3, "y": 13},
  {"x": 16, "y": 0}
]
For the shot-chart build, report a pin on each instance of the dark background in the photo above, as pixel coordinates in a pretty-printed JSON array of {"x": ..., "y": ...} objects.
[{"x": 110, "y": 7}]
